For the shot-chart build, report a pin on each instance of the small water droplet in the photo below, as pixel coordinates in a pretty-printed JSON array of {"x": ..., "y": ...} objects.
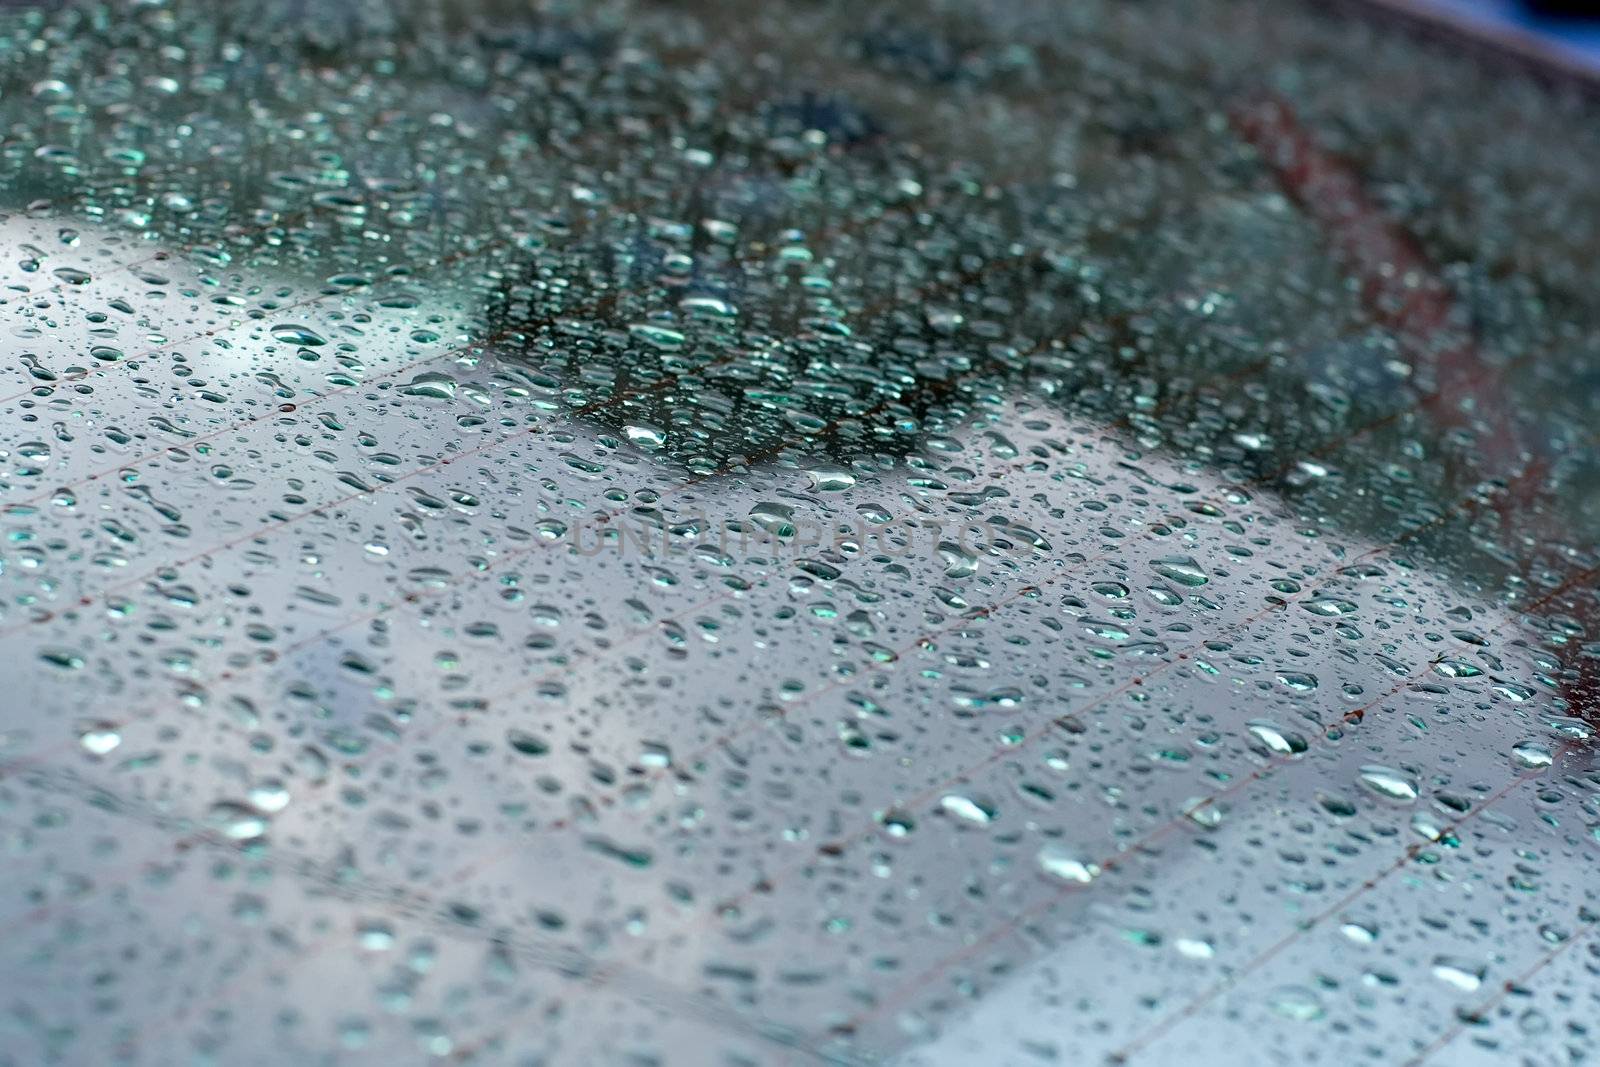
[
  {"x": 1057, "y": 862},
  {"x": 100, "y": 738},
  {"x": 967, "y": 809}
]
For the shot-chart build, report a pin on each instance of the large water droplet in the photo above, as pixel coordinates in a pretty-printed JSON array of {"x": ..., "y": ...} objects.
[
  {"x": 298, "y": 335},
  {"x": 1390, "y": 783},
  {"x": 1181, "y": 569}
]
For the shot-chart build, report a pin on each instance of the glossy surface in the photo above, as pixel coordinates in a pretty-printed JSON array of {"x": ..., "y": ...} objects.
[{"x": 671, "y": 534}]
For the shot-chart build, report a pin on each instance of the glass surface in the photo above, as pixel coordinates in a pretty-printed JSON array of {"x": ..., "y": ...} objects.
[{"x": 709, "y": 533}]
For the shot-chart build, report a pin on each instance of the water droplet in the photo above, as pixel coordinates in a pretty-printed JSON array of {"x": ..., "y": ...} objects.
[
  {"x": 1297, "y": 1003},
  {"x": 967, "y": 809},
  {"x": 644, "y": 435},
  {"x": 1531, "y": 756},
  {"x": 1329, "y": 606},
  {"x": 375, "y": 935},
  {"x": 100, "y": 738},
  {"x": 1390, "y": 783},
  {"x": 269, "y": 795},
  {"x": 526, "y": 743},
  {"x": 1275, "y": 739},
  {"x": 1059, "y": 863},
  {"x": 830, "y": 477},
  {"x": 1463, "y": 974},
  {"x": 434, "y": 385},
  {"x": 658, "y": 336},
  {"x": 1181, "y": 569},
  {"x": 239, "y": 822},
  {"x": 298, "y": 335}
]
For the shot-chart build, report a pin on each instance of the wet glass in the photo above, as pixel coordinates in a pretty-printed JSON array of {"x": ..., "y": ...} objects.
[{"x": 696, "y": 533}]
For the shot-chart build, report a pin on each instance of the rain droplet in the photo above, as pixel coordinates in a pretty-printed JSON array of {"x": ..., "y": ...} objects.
[
  {"x": 1295, "y": 1002},
  {"x": 1055, "y": 861},
  {"x": 526, "y": 743},
  {"x": 658, "y": 336},
  {"x": 1390, "y": 783},
  {"x": 1275, "y": 739},
  {"x": 830, "y": 477},
  {"x": 1462, "y": 974},
  {"x": 1531, "y": 756},
  {"x": 644, "y": 435},
  {"x": 100, "y": 738},
  {"x": 1181, "y": 569},
  {"x": 967, "y": 809},
  {"x": 298, "y": 335},
  {"x": 432, "y": 384},
  {"x": 239, "y": 822}
]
